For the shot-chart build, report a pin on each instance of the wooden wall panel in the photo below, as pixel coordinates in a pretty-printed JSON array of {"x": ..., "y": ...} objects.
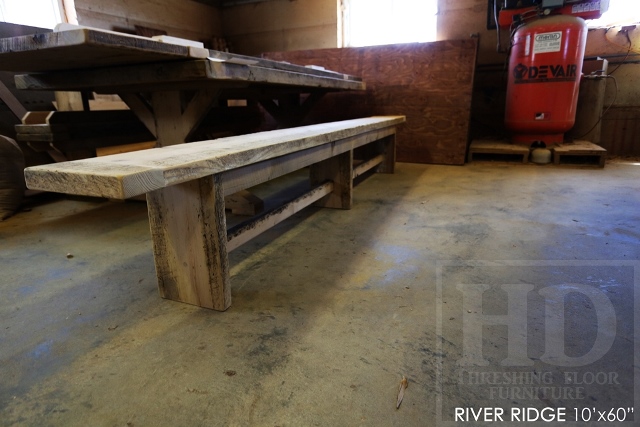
[
  {"x": 621, "y": 131},
  {"x": 430, "y": 83},
  {"x": 459, "y": 19},
  {"x": 254, "y": 43},
  {"x": 185, "y": 19},
  {"x": 281, "y": 25}
]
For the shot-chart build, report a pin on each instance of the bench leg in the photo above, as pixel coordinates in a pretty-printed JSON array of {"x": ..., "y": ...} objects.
[
  {"x": 189, "y": 233},
  {"x": 387, "y": 146},
  {"x": 338, "y": 169}
]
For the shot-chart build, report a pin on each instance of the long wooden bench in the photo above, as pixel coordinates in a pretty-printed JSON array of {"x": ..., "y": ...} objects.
[{"x": 186, "y": 184}]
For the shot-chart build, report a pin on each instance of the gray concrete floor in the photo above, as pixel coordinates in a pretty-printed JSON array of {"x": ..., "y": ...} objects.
[{"x": 330, "y": 309}]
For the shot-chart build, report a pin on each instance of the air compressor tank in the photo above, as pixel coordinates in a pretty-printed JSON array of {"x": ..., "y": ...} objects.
[{"x": 545, "y": 67}]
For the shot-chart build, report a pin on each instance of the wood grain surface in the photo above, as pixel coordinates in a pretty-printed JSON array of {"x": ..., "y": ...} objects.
[
  {"x": 125, "y": 175},
  {"x": 430, "y": 83},
  {"x": 84, "y": 48},
  {"x": 189, "y": 233},
  {"x": 87, "y": 48},
  {"x": 194, "y": 74}
]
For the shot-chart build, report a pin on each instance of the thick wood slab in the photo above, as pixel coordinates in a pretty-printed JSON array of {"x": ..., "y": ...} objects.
[
  {"x": 83, "y": 48},
  {"x": 125, "y": 175},
  {"x": 189, "y": 233},
  {"x": 86, "y": 48},
  {"x": 279, "y": 65},
  {"x": 195, "y": 74}
]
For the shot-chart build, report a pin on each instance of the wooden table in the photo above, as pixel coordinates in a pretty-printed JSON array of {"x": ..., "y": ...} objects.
[{"x": 169, "y": 87}]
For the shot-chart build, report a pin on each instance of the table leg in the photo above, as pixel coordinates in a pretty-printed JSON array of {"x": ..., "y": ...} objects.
[
  {"x": 189, "y": 233},
  {"x": 167, "y": 110},
  {"x": 290, "y": 110},
  {"x": 169, "y": 116}
]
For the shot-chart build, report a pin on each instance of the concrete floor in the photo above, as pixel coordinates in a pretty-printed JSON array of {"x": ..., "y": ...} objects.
[{"x": 330, "y": 309}]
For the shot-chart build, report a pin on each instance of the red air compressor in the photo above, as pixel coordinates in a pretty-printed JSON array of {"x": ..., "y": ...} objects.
[
  {"x": 544, "y": 77},
  {"x": 545, "y": 67}
]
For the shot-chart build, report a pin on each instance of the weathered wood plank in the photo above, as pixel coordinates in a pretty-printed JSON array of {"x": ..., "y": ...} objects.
[
  {"x": 83, "y": 48},
  {"x": 246, "y": 231},
  {"x": 243, "y": 202},
  {"x": 388, "y": 149},
  {"x": 197, "y": 109},
  {"x": 81, "y": 117},
  {"x": 189, "y": 233},
  {"x": 36, "y": 117},
  {"x": 125, "y": 175},
  {"x": 12, "y": 102},
  {"x": 278, "y": 65},
  {"x": 70, "y": 101},
  {"x": 254, "y": 174},
  {"x": 142, "y": 109},
  {"x": 367, "y": 165},
  {"x": 167, "y": 109},
  {"x": 200, "y": 73},
  {"x": 339, "y": 170}
]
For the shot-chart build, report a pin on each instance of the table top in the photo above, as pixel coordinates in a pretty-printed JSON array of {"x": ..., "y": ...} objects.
[{"x": 83, "y": 59}]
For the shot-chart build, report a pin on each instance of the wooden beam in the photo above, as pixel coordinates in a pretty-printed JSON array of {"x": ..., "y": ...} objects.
[
  {"x": 167, "y": 110},
  {"x": 69, "y": 101},
  {"x": 290, "y": 110},
  {"x": 12, "y": 102},
  {"x": 85, "y": 48},
  {"x": 388, "y": 148},
  {"x": 280, "y": 65},
  {"x": 197, "y": 109},
  {"x": 339, "y": 170},
  {"x": 36, "y": 117},
  {"x": 367, "y": 165},
  {"x": 246, "y": 231},
  {"x": 189, "y": 233},
  {"x": 243, "y": 202},
  {"x": 201, "y": 73},
  {"x": 141, "y": 108}
]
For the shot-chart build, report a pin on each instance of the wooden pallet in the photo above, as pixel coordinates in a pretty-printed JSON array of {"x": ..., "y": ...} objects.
[
  {"x": 580, "y": 152},
  {"x": 501, "y": 149}
]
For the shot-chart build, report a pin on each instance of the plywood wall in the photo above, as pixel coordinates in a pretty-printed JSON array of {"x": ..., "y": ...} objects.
[
  {"x": 458, "y": 19},
  {"x": 185, "y": 18},
  {"x": 430, "y": 83},
  {"x": 281, "y": 25}
]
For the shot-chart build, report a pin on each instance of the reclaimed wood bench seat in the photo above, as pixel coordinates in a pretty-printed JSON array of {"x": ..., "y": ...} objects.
[{"x": 185, "y": 186}]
